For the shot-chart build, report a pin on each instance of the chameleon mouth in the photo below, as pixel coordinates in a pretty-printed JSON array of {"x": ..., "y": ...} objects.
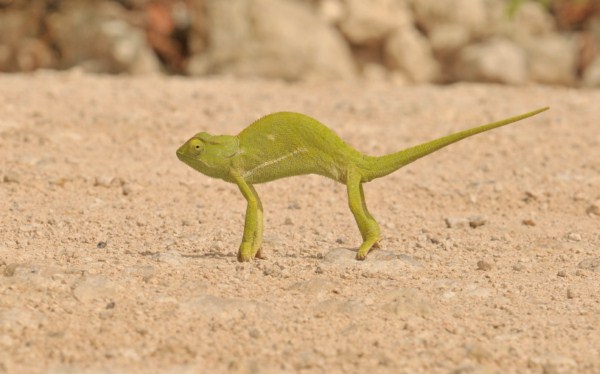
[
  {"x": 191, "y": 161},
  {"x": 183, "y": 157},
  {"x": 181, "y": 153}
]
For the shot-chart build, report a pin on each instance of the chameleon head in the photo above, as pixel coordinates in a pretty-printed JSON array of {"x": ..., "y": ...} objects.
[{"x": 209, "y": 154}]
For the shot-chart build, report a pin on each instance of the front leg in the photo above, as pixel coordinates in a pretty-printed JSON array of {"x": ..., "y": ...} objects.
[{"x": 253, "y": 225}]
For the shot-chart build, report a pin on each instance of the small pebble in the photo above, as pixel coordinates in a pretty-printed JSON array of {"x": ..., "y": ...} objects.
[
  {"x": 574, "y": 237},
  {"x": 456, "y": 222},
  {"x": 9, "y": 270},
  {"x": 254, "y": 333},
  {"x": 594, "y": 208},
  {"x": 561, "y": 273},
  {"x": 103, "y": 181},
  {"x": 479, "y": 352},
  {"x": 484, "y": 265},
  {"x": 101, "y": 244},
  {"x": 528, "y": 222},
  {"x": 129, "y": 188},
  {"x": 530, "y": 196},
  {"x": 591, "y": 263},
  {"x": 571, "y": 294},
  {"x": 10, "y": 177},
  {"x": 288, "y": 221},
  {"x": 518, "y": 266},
  {"x": 476, "y": 221},
  {"x": 60, "y": 181}
]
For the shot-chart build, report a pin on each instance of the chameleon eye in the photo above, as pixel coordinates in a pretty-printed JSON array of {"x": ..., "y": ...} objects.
[{"x": 196, "y": 146}]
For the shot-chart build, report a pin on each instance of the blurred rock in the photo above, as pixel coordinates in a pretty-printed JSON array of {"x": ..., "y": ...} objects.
[
  {"x": 408, "y": 51},
  {"x": 532, "y": 18},
  {"x": 446, "y": 39},
  {"x": 94, "y": 287},
  {"x": 167, "y": 23},
  {"x": 570, "y": 14},
  {"x": 528, "y": 19},
  {"x": 476, "y": 221},
  {"x": 552, "y": 59},
  {"x": 594, "y": 207},
  {"x": 20, "y": 50},
  {"x": 496, "y": 60},
  {"x": 97, "y": 37},
  {"x": 282, "y": 39},
  {"x": 592, "y": 263},
  {"x": 331, "y": 11},
  {"x": 367, "y": 22},
  {"x": 404, "y": 41},
  {"x": 374, "y": 72},
  {"x": 591, "y": 78},
  {"x": 468, "y": 15},
  {"x": 456, "y": 222}
]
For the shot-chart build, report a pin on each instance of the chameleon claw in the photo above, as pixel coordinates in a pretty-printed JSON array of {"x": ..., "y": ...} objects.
[
  {"x": 361, "y": 256},
  {"x": 365, "y": 247},
  {"x": 242, "y": 258},
  {"x": 260, "y": 255},
  {"x": 245, "y": 253}
]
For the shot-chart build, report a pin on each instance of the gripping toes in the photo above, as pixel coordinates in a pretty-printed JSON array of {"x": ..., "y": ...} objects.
[
  {"x": 250, "y": 250},
  {"x": 366, "y": 246},
  {"x": 245, "y": 252}
]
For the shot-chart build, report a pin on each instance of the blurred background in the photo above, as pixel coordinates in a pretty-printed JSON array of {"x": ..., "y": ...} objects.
[{"x": 513, "y": 42}]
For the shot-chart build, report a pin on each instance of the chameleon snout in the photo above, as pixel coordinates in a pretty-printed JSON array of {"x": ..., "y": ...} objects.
[
  {"x": 183, "y": 155},
  {"x": 181, "y": 152}
]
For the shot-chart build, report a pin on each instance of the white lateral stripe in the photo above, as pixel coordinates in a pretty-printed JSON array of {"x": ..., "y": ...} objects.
[{"x": 271, "y": 162}]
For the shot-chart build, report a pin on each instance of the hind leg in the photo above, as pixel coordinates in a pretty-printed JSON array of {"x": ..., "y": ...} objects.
[
  {"x": 369, "y": 229},
  {"x": 258, "y": 232},
  {"x": 372, "y": 220}
]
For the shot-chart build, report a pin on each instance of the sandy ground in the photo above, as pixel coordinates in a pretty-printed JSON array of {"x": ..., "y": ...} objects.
[{"x": 116, "y": 257}]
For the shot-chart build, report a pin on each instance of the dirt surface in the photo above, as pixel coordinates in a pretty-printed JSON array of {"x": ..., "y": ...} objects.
[{"x": 116, "y": 257}]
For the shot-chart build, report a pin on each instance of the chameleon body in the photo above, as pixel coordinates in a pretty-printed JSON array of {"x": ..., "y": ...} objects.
[{"x": 285, "y": 144}]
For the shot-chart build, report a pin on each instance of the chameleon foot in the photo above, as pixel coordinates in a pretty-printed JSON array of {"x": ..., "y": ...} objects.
[
  {"x": 260, "y": 255},
  {"x": 245, "y": 252},
  {"x": 365, "y": 247}
]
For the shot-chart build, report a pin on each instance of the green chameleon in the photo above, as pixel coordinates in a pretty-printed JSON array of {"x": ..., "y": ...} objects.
[{"x": 285, "y": 144}]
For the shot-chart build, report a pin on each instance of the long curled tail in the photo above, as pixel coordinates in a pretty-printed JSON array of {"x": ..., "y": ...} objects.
[{"x": 376, "y": 167}]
